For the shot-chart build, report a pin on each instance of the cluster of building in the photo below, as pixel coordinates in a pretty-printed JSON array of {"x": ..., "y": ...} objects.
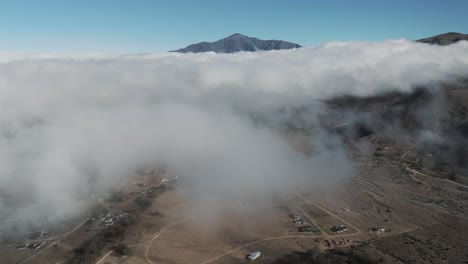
[
  {"x": 333, "y": 243},
  {"x": 32, "y": 246},
  {"x": 175, "y": 178},
  {"x": 306, "y": 229},
  {"x": 377, "y": 230},
  {"x": 295, "y": 217},
  {"x": 110, "y": 217},
  {"x": 339, "y": 229},
  {"x": 37, "y": 235},
  {"x": 298, "y": 220},
  {"x": 141, "y": 184},
  {"x": 34, "y": 240}
]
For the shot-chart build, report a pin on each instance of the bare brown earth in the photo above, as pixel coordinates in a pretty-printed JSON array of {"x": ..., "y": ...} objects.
[
  {"x": 425, "y": 218},
  {"x": 425, "y": 221}
]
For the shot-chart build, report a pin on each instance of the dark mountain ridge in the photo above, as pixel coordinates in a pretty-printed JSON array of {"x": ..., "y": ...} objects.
[
  {"x": 238, "y": 42},
  {"x": 444, "y": 39}
]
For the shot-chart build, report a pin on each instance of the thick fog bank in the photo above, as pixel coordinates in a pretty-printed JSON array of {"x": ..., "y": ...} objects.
[{"x": 71, "y": 126}]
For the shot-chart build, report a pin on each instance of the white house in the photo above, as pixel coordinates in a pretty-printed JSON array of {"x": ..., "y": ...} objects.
[{"x": 254, "y": 255}]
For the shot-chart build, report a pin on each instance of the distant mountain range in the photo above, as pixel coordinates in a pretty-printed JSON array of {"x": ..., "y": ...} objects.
[
  {"x": 238, "y": 42},
  {"x": 445, "y": 39}
]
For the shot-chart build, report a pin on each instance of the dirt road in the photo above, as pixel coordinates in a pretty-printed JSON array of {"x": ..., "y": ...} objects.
[{"x": 60, "y": 238}]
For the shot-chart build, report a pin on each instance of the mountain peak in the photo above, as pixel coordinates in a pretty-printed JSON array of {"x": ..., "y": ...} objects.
[
  {"x": 445, "y": 39},
  {"x": 238, "y": 42},
  {"x": 236, "y": 35}
]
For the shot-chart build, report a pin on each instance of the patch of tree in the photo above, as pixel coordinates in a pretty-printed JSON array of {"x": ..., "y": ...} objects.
[
  {"x": 90, "y": 250},
  {"x": 440, "y": 166},
  {"x": 143, "y": 202},
  {"x": 153, "y": 192},
  {"x": 98, "y": 209},
  {"x": 122, "y": 249},
  {"x": 451, "y": 175},
  {"x": 444, "y": 170},
  {"x": 11, "y": 237},
  {"x": 157, "y": 213},
  {"x": 116, "y": 197},
  {"x": 335, "y": 256},
  {"x": 165, "y": 187}
]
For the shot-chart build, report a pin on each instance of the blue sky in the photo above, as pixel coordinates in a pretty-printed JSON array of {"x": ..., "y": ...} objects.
[{"x": 83, "y": 26}]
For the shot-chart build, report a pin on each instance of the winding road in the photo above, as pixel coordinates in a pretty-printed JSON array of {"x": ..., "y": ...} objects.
[
  {"x": 150, "y": 241},
  {"x": 60, "y": 238}
]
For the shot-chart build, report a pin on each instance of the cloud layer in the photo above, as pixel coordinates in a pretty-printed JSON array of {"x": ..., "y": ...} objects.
[{"x": 73, "y": 125}]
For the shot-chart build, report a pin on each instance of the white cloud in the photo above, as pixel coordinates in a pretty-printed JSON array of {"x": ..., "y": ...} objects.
[{"x": 71, "y": 125}]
